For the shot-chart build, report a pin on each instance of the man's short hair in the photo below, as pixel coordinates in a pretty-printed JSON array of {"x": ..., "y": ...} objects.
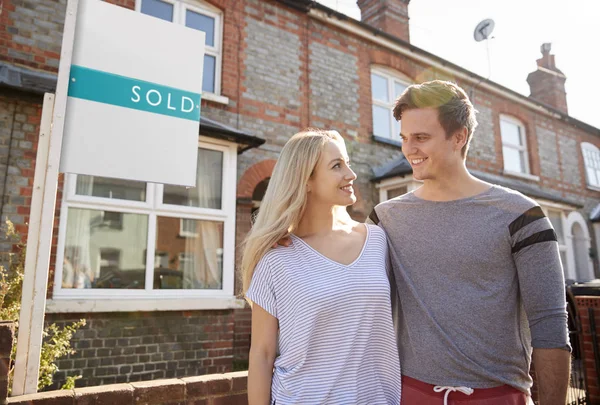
[{"x": 455, "y": 110}]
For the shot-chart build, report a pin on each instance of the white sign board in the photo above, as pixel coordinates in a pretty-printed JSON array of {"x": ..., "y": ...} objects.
[{"x": 133, "y": 107}]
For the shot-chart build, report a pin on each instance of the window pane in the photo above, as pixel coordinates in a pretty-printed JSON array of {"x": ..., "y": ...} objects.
[
  {"x": 194, "y": 262},
  {"x": 396, "y": 131},
  {"x": 209, "y": 177},
  {"x": 110, "y": 188},
  {"x": 208, "y": 78},
  {"x": 379, "y": 84},
  {"x": 593, "y": 176},
  {"x": 555, "y": 218},
  {"x": 511, "y": 134},
  {"x": 399, "y": 89},
  {"x": 100, "y": 255},
  {"x": 203, "y": 23},
  {"x": 513, "y": 160},
  {"x": 592, "y": 166},
  {"x": 158, "y": 9},
  {"x": 381, "y": 121}
]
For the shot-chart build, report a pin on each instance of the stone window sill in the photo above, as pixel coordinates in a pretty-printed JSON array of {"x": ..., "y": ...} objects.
[
  {"x": 215, "y": 98},
  {"x": 593, "y": 188},
  {"x": 524, "y": 176},
  {"x": 78, "y": 305}
]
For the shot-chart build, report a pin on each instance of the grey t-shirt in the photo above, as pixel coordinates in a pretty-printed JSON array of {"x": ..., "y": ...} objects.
[{"x": 480, "y": 283}]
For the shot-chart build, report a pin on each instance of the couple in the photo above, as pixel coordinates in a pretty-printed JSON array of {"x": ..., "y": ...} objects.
[{"x": 458, "y": 283}]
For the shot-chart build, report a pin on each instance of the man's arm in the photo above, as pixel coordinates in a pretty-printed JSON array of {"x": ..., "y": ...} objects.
[
  {"x": 541, "y": 282},
  {"x": 552, "y": 369}
]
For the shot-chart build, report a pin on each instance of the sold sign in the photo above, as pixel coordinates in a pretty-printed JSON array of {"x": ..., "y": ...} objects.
[
  {"x": 133, "y": 97},
  {"x": 108, "y": 88}
]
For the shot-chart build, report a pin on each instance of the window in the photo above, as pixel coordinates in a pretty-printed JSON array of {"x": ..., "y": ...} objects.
[
  {"x": 514, "y": 146},
  {"x": 197, "y": 15},
  {"x": 396, "y": 192},
  {"x": 131, "y": 239},
  {"x": 385, "y": 88},
  {"x": 396, "y": 186},
  {"x": 591, "y": 159}
]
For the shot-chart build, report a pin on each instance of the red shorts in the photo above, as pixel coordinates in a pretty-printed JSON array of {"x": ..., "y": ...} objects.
[{"x": 415, "y": 392}]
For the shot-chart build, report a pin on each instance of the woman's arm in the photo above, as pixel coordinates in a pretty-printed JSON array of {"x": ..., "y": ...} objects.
[{"x": 263, "y": 349}]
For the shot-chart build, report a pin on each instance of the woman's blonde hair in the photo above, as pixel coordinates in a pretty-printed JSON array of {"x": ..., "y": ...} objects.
[{"x": 284, "y": 202}]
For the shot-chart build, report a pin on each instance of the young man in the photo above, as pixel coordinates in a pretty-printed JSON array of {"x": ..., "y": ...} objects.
[{"x": 477, "y": 270}]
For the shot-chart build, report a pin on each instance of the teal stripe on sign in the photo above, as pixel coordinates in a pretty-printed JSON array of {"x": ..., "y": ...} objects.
[{"x": 122, "y": 91}]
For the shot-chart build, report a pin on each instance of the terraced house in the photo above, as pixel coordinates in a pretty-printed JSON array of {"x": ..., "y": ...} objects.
[{"x": 152, "y": 266}]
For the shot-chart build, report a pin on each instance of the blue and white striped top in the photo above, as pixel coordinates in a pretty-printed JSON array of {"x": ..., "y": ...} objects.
[{"x": 337, "y": 344}]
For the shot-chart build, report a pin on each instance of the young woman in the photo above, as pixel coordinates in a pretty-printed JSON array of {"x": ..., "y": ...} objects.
[{"x": 321, "y": 316}]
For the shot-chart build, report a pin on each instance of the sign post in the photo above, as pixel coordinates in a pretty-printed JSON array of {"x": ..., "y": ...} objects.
[
  {"x": 127, "y": 106},
  {"x": 41, "y": 218}
]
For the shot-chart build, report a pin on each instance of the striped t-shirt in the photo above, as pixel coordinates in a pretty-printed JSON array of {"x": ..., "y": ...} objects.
[{"x": 336, "y": 339}]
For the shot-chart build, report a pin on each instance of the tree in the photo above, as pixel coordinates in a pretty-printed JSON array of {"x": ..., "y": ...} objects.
[{"x": 57, "y": 341}]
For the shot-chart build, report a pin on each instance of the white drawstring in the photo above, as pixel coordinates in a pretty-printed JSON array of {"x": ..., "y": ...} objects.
[{"x": 440, "y": 388}]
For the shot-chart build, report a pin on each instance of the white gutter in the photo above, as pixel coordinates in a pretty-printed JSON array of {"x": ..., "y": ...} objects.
[{"x": 369, "y": 36}]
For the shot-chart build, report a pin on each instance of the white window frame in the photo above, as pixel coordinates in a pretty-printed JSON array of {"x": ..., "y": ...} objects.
[
  {"x": 185, "y": 233},
  {"x": 395, "y": 182},
  {"x": 591, "y": 160},
  {"x": 392, "y": 77},
  {"x": 149, "y": 299},
  {"x": 565, "y": 246},
  {"x": 523, "y": 149},
  {"x": 201, "y": 7}
]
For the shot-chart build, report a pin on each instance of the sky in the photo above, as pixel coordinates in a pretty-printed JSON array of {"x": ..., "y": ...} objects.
[{"x": 445, "y": 28}]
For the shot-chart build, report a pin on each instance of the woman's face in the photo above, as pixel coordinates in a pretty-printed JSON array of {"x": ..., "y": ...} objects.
[{"x": 332, "y": 179}]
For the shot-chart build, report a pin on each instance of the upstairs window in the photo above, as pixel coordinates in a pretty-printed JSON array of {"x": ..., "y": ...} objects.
[
  {"x": 200, "y": 16},
  {"x": 386, "y": 87},
  {"x": 514, "y": 146},
  {"x": 591, "y": 159}
]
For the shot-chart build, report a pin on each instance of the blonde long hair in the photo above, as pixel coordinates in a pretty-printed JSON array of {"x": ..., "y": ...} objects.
[{"x": 284, "y": 202}]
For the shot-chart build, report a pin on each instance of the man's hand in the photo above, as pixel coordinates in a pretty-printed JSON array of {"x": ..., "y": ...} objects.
[{"x": 552, "y": 368}]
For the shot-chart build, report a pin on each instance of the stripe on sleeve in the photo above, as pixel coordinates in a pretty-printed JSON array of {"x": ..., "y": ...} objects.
[
  {"x": 542, "y": 236},
  {"x": 529, "y": 216},
  {"x": 373, "y": 217}
]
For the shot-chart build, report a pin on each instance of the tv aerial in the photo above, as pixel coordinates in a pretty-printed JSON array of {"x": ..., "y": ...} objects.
[{"x": 482, "y": 33}]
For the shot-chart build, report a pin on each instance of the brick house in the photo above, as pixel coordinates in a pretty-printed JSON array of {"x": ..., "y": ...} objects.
[{"x": 152, "y": 267}]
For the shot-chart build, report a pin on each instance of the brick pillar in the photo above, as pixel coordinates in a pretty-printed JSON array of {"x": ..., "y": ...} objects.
[
  {"x": 583, "y": 303},
  {"x": 7, "y": 334},
  {"x": 547, "y": 83},
  {"x": 390, "y": 16}
]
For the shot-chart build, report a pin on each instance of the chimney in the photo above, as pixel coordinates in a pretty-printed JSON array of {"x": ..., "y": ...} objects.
[
  {"x": 390, "y": 16},
  {"x": 547, "y": 83}
]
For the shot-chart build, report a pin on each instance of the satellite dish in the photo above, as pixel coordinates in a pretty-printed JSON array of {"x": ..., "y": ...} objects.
[{"x": 483, "y": 29}]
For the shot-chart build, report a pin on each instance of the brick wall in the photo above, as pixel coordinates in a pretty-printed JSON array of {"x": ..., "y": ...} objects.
[
  {"x": 241, "y": 339},
  {"x": 19, "y": 128},
  {"x": 32, "y": 36},
  {"x": 129, "y": 347},
  {"x": 216, "y": 389}
]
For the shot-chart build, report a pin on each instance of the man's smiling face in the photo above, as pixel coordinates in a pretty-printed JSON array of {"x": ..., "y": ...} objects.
[{"x": 425, "y": 144}]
